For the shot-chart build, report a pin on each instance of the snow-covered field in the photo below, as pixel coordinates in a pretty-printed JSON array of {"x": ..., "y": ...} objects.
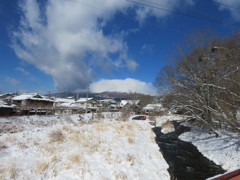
[
  {"x": 69, "y": 147},
  {"x": 100, "y": 147},
  {"x": 223, "y": 150}
]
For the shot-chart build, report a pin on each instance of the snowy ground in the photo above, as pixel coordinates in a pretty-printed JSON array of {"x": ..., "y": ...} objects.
[
  {"x": 165, "y": 122},
  {"x": 73, "y": 147},
  {"x": 224, "y": 150},
  {"x": 69, "y": 147}
]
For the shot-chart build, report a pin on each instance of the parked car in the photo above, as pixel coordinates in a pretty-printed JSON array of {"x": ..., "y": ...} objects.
[{"x": 140, "y": 117}]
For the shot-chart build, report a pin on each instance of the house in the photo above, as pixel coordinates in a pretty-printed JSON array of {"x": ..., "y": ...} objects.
[
  {"x": 5, "y": 109},
  {"x": 63, "y": 102},
  {"x": 153, "y": 108},
  {"x": 126, "y": 104},
  {"x": 89, "y": 104},
  {"x": 32, "y": 102},
  {"x": 67, "y": 106},
  {"x": 109, "y": 105},
  {"x": 7, "y": 97}
]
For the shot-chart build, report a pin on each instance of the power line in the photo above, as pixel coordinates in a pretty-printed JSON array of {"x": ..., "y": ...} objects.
[
  {"x": 223, "y": 4},
  {"x": 183, "y": 13},
  {"x": 159, "y": 7},
  {"x": 199, "y": 13}
]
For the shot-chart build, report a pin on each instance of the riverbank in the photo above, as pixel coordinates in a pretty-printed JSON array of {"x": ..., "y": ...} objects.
[
  {"x": 223, "y": 150},
  {"x": 184, "y": 160}
]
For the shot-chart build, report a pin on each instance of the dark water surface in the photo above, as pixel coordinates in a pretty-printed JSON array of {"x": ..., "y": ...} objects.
[{"x": 184, "y": 160}]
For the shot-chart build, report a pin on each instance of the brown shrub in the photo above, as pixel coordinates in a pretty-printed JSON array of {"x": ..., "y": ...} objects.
[{"x": 57, "y": 136}]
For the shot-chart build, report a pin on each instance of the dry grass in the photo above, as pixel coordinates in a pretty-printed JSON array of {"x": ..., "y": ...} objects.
[
  {"x": 6, "y": 127},
  {"x": 57, "y": 136},
  {"x": 42, "y": 123},
  {"x": 120, "y": 176},
  {"x": 84, "y": 169},
  {"x": 12, "y": 172},
  {"x": 101, "y": 126},
  {"x": 64, "y": 166},
  {"x": 168, "y": 124},
  {"x": 8, "y": 172},
  {"x": 2, "y": 145},
  {"x": 53, "y": 159},
  {"x": 125, "y": 114},
  {"x": 108, "y": 156},
  {"x": 91, "y": 147},
  {"x": 22, "y": 145},
  {"x": 75, "y": 158},
  {"x": 111, "y": 116},
  {"x": 42, "y": 167},
  {"x": 49, "y": 149},
  {"x": 66, "y": 147},
  {"x": 78, "y": 136},
  {"x": 10, "y": 139},
  {"x": 130, "y": 140},
  {"x": 123, "y": 127},
  {"x": 99, "y": 115},
  {"x": 131, "y": 158},
  {"x": 69, "y": 120},
  {"x": 129, "y": 133},
  {"x": 66, "y": 128}
]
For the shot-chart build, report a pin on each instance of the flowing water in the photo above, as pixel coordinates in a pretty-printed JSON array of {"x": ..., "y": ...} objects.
[{"x": 184, "y": 160}]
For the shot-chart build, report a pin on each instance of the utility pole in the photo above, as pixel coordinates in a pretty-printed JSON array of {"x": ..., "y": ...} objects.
[{"x": 87, "y": 100}]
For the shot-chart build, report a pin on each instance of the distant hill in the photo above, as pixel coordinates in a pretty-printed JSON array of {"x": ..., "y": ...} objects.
[{"x": 104, "y": 95}]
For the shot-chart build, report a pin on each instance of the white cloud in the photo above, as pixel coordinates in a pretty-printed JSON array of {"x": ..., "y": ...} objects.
[
  {"x": 123, "y": 85},
  {"x": 22, "y": 70},
  {"x": 145, "y": 11},
  {"x": 64, "y": 36},
  {"x": 147, "y": 48},
  {"x": 12, "y": 81},
  {"x": 232, "y": 6}
]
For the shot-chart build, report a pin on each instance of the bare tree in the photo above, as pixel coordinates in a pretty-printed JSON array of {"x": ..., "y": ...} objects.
[
  {"x": 143, "y": 100},
  {"x": 205, "y": 80}
]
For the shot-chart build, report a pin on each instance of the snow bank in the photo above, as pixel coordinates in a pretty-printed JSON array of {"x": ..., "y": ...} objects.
[
  {"x": 69, "y": 147},
  {"x": 165, "y": 122},
  {"x": 224, "y": 150}
]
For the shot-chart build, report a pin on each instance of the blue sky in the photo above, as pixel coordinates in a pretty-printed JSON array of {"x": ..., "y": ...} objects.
[{"x": 114, "y": 45}]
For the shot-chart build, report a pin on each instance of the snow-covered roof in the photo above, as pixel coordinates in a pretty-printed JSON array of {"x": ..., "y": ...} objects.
[
  {"x": 83, "y": 100},
  {"x": 108, "y": 101},
  {"x": 41, "y": 99},
  {"x": 4, "y": 105},
  {"x": 25, "y": 96},
  {"x": 32, "y": 96},
  {"x": 153, "y": 106},
  {"x": 131, "y": 102},
  {"x": 70, "y": 105},
  {"x": 5, "y": 95},
  {"x": 64, "y": 100}
]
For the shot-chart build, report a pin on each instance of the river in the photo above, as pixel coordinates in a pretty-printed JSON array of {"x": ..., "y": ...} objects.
[{"x": 184, "y": 160}]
